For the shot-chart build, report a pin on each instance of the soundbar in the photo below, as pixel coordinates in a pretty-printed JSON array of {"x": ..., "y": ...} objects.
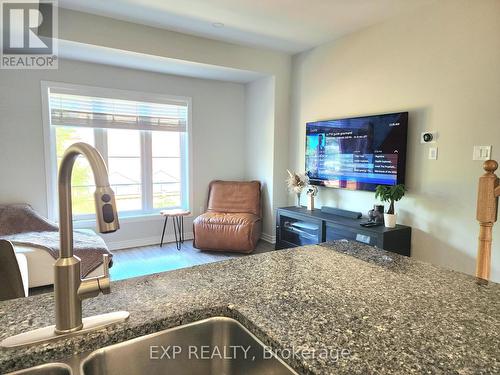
[{"x": 340, "y": 212}]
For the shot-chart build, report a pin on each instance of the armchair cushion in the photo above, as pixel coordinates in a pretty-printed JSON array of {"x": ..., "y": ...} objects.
[
  {"x": 223, "y": 218},
  {"x": 227, "y": 231},
  {"x": 231, "y": 196}
]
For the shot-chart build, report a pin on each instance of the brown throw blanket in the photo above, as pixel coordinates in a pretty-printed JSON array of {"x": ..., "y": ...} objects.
[{"x": 21, "y": 225}]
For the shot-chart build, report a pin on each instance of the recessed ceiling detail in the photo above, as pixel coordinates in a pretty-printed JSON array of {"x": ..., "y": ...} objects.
[
  {"x": 109, "y": 56},
  {"x": 286, "y": 25}
]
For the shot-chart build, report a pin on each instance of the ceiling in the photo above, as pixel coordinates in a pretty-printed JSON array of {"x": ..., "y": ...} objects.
[{"x": 287, "y": 25}]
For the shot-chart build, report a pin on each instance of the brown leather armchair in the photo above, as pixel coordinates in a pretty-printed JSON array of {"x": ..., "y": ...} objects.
[{"x": 233, "y": 221}]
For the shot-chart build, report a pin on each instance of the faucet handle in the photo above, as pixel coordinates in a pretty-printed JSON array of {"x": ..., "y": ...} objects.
[{"x": 91, "y": 287}]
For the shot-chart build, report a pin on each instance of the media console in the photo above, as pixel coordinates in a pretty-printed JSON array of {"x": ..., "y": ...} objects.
[{"x": 296, "y": 226}]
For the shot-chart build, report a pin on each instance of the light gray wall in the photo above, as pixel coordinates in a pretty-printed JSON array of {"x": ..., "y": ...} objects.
[
  {"x": 218, "y": 133},
  {"x": 259, "y": 138},
  {"x": 442, "y": 65}
]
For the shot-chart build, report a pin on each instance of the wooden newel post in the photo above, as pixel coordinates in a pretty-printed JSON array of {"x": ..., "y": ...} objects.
[{"x": 487, "y": 208}]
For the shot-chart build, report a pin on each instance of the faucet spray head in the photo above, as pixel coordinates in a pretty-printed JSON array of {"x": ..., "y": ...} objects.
[{"x": 107, "y": 218}]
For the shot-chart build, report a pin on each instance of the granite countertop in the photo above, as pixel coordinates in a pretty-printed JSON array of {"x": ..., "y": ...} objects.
[{"x": 380, "y": 312}]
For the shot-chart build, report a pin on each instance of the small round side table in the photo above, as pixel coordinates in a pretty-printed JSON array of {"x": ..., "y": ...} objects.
[{"x": 178, "y": 220}]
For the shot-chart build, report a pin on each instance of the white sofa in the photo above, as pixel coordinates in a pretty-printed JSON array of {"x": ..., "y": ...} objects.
[
  {"x": 22, "y": 262},
  {"x": 40, "y": 266},
  {"x": 36, "y": 241}
]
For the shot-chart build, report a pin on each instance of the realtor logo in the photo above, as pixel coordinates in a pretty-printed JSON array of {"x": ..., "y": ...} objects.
[{"x": 29, "y": 34}]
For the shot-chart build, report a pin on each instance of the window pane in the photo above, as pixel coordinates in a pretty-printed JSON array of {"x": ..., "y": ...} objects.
[
  {"x": 66, "y": 136},
  {"x": 166, "y": 170},
  {"x": 124, "y": 167},
  {"x": 124, "y": 143},
  {"x": 166, "y": 195},
  {"x": 166, "y": 143},
  {"x": 82, "y": 180},
  {"x": 166, "y": 182},
  {"x": 166, "y": 164}
]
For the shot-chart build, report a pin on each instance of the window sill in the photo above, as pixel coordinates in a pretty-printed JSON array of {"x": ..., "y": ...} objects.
[{"x": 138, "y": 218}]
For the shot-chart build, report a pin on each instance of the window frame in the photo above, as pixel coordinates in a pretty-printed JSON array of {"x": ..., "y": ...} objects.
[{"x": 50, "y": 158}]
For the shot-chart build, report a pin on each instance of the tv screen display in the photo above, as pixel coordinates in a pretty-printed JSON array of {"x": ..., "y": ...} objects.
[{"x": 357, "y": 153}]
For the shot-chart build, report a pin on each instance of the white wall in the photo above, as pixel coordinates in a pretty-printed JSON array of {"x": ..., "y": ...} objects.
[
  {"x": 218, "y": 139},
  {"x": 259, "y": 137},
  {"x": 442, "y": 65}
]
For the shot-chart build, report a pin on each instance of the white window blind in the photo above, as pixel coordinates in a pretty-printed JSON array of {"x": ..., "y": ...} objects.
[{"x": 100, "y": 112}]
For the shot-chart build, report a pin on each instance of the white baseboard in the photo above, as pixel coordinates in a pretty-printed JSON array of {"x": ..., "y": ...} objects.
[
  {"x": 268, "y": 238},
  {"x": 146, "y": 241}
]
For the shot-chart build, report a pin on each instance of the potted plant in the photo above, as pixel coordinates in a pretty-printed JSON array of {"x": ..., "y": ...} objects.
[{"x": 390, "y": 194}]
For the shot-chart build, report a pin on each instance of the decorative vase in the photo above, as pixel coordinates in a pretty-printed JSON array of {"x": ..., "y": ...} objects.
[
  {"x": 310, "y": 202},
  {"x": 298, "y": 200},
  {"x": 390, "y": 220}
]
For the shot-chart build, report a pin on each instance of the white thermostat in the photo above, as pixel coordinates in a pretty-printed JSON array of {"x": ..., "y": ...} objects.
[{"x": 428, "y": 137}]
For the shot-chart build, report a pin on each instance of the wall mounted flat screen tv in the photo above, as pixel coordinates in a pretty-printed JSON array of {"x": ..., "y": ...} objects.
[{"x": 357, "y": 153}]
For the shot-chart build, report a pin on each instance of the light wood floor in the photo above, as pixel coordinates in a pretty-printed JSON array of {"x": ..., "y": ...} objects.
[
  {"x": 140, "y": 261},
  {"x": 146, "y": 260}
]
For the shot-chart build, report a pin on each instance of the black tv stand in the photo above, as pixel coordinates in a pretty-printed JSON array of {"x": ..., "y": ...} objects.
[{"x": 297, "y": 226}]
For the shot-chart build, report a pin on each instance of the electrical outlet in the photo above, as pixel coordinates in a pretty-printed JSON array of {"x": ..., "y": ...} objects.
[
  {"x": 202, "y": 210},
  {"x": 481, "y": 153},
  {"x": 433, "y": 153}
]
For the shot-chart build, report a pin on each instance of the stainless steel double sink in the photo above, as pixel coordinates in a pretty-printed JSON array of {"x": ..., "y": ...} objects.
[{"x": 218, "y": 346}]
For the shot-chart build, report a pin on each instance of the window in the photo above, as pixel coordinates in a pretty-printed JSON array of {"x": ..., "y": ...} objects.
[{"x": 143, "y": 139}]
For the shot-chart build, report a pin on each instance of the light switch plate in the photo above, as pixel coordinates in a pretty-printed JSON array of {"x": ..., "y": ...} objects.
[
  {"x": 433, "y": 153},
  {"x": 481, "y": 153}
]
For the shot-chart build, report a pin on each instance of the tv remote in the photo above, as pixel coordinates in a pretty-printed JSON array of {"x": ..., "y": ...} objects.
[{"x": 369, "y": 224}]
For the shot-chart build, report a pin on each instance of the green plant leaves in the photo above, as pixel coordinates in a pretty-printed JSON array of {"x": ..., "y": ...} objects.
[{"x": 390, "y": 193}]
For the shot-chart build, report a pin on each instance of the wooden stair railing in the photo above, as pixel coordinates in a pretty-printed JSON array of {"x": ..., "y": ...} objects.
[{"x": 487, "y": 209}]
